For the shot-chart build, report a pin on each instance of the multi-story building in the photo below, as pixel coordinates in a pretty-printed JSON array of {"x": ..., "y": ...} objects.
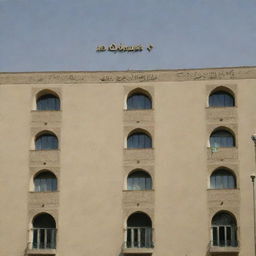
[{"x": 127, "y": 163}]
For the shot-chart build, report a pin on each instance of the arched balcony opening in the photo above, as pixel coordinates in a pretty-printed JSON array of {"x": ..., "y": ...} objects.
[
  {"x": 46, "y": 141},
  {"x": 139, "y": 99},
  {"x": 221, "y": 97},
  {"x": 139, "y": 180},
  {"x": 223, "y": 138},
  {"x": 224, "y": 230},
  {"x": 139, "y": 231},
  {"x": 47, "y": 101},
  {"x": 45, "y": 181},
  {"x": 222, "y": 178},
  {"x": 44, "y": 232},
  {"x": 139, "y": 139}
]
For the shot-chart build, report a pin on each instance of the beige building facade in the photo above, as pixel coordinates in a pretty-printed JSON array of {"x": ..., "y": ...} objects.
[{"x": 127, "y": 163}]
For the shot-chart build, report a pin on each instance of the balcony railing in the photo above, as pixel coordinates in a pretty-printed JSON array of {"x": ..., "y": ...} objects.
[
  {"x": 139, "y": 237},
  {"x": 44, "y": 238},
  {"x": 224, "y": 243}
]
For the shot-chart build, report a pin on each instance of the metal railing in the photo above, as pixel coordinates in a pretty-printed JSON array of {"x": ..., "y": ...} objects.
[
  {"x": 138, "y": 237},
  {"x": 224, "y": 243},
  {"x": 44, "y": 238}
]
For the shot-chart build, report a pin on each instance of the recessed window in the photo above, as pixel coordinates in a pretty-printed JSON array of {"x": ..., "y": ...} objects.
[
  {"x": 44, "y": 232},
  {"x": 45, "y": 181},
  {"x": 139, "y": 180},
  {"x": 46, "y": 141},
  {"x": 224, "y": 230},
  {"x": 139, "y": 100},
  {"x": 222, "y": 138},
  {"x": 221, "y": 99},
  {"x": 139, "y": 231},
  {"x": 223, "y": 179},
  {"x": 139, "y": 140},
  {"x": 48, "y": 102}
]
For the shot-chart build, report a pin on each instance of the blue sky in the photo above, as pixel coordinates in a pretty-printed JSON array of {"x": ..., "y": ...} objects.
[{"x": 61, "y": 35}]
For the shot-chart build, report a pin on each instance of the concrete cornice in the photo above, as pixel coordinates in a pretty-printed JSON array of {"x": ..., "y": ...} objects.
[{"x": 72, "y": 77}]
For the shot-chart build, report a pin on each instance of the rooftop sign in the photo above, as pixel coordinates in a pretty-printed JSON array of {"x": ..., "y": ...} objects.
[{"x": 123, "y": 48}]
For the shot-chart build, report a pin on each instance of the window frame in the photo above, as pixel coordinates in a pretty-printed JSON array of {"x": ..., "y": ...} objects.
[
  {"x": 44, "y": 187},
  {"x": 45, "y": 145},
  {"x": 144, "y": 98},
  {"x": 220, "y": 140},
  {"x": 131, "y": 181},
  {"x": 145, "y": 140},
  {"x": 214, "y": 175}
]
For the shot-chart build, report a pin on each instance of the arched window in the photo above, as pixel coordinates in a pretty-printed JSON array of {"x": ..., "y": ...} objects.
[
  {"x": 44, "y": 232},
  {"x": 48, "y": 102},
  {"x": 139, "y": 100},
  {"x": 139, "y": 140},
  {"x": 221, "y": 99},
  {"x": 46, "y": 141},
  {"x": 222, "y": 138},
  {"x": 139, "y": 231},
  {"x": 222, "y": 179},
  {"x": 139, "y": 180},
  {"x": 45, "y": 181},
  {"x": 224, "y": 230}
]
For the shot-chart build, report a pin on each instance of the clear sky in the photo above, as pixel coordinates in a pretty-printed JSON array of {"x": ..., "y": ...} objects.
[{"x": 61, "y": 35}]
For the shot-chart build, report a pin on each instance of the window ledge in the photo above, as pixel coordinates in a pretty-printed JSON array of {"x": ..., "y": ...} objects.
[
  {"x": 43, "y": 111},
  {"x": 146, "y": 190},
  {"x": 41, "y": 252},
  {"x": 222, "y": 189},
  {"x": 234, "y": 107},
  {"x": 43, "y": 192},
  {"x": 222, "y": 147},
  {"x": 45, "y": 150},
  {"x": 128, "y": 110},
  {"x": 138, "y": 149}
]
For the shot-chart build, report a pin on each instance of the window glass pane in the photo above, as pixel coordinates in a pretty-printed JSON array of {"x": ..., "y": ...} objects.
[
  {"x": 215, "y": 236},
  {"x": 35, "y": 242},
  {"x": 231, "y": 181},
  {"x": 139, "y": 180},
  {"x": 228, "y": 236},
  {"x": 48, "y": 102},
  {"x": 221, "y": 99},
  {"x": 222, "y": 236},
  {"x": 139, "y": 140},
  {"x": 218, "y": 181},
  {"x": 148, "y": 183},
  {"x": 213, "y": 181},
  {"x": 222, "y": 139},
  {"x": 139, "y": 101},
  {"x": 45, "y": 181},
  {"x": 222, "y": 179},
  {"x": 46, "y": 142}
]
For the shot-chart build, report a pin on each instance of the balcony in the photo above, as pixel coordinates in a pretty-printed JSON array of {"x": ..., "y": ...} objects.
[
  {"x": 138, "y": 240},
  {"x": 44, "y": 241}
]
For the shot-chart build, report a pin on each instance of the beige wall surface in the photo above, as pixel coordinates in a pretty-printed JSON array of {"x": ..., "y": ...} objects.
[
  {"x": 91, "y": 205},
  {"x": 91, "y": 168},
  {"x": 15, "y": 132}
]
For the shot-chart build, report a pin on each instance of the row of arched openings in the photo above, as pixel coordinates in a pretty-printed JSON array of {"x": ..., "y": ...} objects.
[
  {"x": 138, "y": 231},
  {"x": 138, "y": 139},
  {"x": 137, "y": 99},
  {"x": 221, "y": 178}
]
